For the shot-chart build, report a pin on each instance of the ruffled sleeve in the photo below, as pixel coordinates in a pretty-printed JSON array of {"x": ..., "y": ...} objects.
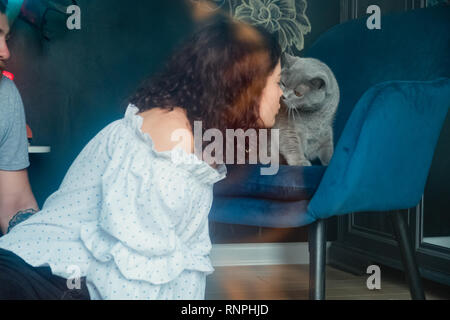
[
  {"x": 145, "y": 195},
  {"x": 178, "y": 158}
]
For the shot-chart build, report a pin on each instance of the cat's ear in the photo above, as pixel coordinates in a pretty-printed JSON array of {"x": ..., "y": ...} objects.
[{"x": 288, "y": 60}]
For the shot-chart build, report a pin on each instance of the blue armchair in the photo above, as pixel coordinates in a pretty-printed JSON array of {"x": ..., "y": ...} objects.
[{"x": 395, "y": 94}]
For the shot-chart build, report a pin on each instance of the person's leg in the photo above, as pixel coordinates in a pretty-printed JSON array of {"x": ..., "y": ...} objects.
[
  {"x": 11, "y": 288},
  {"x": 19, "y": 280}
]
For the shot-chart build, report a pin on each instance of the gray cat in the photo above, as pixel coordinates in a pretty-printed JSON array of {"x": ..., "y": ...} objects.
[{"x": 308, "y": 106}]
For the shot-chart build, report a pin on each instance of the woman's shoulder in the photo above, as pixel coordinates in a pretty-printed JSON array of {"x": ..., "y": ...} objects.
[
  {"x": 168, "y": 129},
  {"x": 151, "y": 134},
  {"x": 158, "y": 140}
]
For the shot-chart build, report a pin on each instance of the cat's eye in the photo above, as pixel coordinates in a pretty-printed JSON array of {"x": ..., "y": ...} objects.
[{"x": 298, "y": 94}]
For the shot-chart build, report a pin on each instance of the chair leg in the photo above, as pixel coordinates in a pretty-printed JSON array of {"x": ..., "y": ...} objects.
[
  {"x": 317, "y": 259},
  {"x": 412, "y": 273}
]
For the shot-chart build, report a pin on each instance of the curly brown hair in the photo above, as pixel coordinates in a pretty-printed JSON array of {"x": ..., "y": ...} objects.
[{"x": 217, "y": 76}]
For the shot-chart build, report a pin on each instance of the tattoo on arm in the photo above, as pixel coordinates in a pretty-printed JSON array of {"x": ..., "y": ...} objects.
[{"x": 19, "y": 217}]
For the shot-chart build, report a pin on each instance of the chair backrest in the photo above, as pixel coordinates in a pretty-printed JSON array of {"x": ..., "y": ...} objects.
[
  {"x": 382, "y": 159},
  {"x": 412, "y": 45}
]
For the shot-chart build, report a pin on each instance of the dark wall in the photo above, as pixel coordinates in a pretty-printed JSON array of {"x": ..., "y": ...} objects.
[{"x": 323, "y": 15}]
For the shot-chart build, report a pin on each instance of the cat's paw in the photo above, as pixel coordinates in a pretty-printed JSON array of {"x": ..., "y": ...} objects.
[{"x": 305, "y": 163}]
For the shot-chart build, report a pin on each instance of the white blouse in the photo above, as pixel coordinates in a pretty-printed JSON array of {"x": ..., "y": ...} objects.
[{"x": 132, "y": 220}]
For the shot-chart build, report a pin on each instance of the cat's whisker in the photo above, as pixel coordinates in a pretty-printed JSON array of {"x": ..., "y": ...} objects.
[
  {"x": 298, "y": 111},
  {"x": 293, "y": 114}
]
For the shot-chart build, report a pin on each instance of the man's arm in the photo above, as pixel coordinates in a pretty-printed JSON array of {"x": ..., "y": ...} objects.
[
  {"x": 15, "y": 190},
  {"x": 15, "y": 196}
]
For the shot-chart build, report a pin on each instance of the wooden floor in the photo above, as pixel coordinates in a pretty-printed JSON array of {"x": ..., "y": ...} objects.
[{"x": 290, "y": 282}]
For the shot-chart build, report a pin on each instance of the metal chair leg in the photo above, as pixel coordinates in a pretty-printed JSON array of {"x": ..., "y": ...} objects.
[
  {"x": 402, "y": 235},
  {"x": 317, "y": 259}
]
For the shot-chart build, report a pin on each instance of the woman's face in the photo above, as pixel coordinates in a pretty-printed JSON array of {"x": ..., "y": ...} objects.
[{"x": 270, "y": 101}]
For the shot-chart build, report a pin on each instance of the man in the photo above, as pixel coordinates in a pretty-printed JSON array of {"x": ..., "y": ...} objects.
[{"x": 17, "y": 201}]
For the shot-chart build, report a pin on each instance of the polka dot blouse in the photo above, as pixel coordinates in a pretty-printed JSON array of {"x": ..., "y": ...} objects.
[{"x": 132, "y": 220}]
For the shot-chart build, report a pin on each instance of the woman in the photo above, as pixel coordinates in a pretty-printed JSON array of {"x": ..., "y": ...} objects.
[{"x": 129, "y": 222}]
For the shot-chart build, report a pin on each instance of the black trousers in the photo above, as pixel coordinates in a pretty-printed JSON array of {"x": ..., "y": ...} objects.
[{"x": 21, "y": 281}]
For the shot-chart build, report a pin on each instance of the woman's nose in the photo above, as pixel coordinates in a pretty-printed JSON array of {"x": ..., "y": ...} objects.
[{"x": 4, "y": 51}]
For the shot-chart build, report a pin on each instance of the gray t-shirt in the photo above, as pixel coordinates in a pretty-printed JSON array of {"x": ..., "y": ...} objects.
[{"x": 13, "y": 132}]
